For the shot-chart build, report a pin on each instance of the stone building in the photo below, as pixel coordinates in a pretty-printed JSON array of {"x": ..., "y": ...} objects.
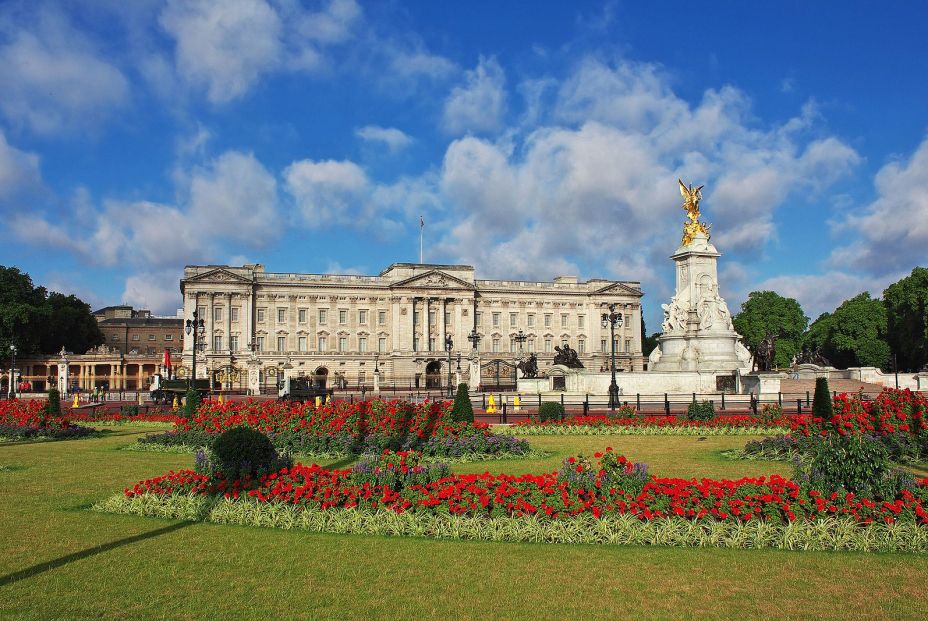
[
  {"x": 342, "y": 328},
  {"x": 131, "y": 331}
]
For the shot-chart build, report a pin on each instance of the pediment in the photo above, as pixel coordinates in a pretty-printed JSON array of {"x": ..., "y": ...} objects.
[
  {"x": 433, "y": 279},
  {"x": 618, "y": 287},
  {"x": 219, "y": 275}
]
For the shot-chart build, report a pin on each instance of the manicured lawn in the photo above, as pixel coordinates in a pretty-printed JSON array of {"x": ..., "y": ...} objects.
[{"x": 152, "y": 568}]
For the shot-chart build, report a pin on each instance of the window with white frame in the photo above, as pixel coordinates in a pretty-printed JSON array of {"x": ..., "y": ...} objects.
[
  {"x": 281, "y": 343},
  {"x": 261, "y": 313},
  {"x": 281, "y": 315},
  {"x": 323, "y": 316},
  {"x": 135, "y": 337},
  {"x": 233, "y": 342},
  {"x": 512, "y": 346},
  {"x": 217, "y": 343},
  {"x": 381, "y": 344},
  {"x": 581, "y": 322},
  {"x": 151, "y": 337},
  {"x": 233, "y": 312},
  {"x": 478, "y": 316},
  {"x": 628, "y": 345},
  {"x": 547, "y": 321},
  {"x": 343, "y": 344},
  {"x": 362, "y": 344},
  {"x": 495, "y": 345},
  {"x": 323, "y": 343},
  {"x": 495, "y": 320},
  {"x": 301, "y": 343},
  {"x": 217, "y": 313},
  {"x": 531, "y": 345},
  {"x": 547, "y": 346},
  {"x": 581, "y": 346},
  {"x": 362, "y": 317},
  {"x": 168, "y": 337},
  {"x": 301, "y": 315},
  {"x": 531, "y": 320},
  {"x": 513, "y": 320},
  {"x": 342, "y": 316},
  {"x": 563, "y": 321},
  {"x": 602, "y": 345},
  {"x": 260, "y": 341},
  {"x": 382, "y": 318}
]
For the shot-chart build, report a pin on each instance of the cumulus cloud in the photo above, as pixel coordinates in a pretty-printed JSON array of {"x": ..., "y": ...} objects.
[
  {"x": 480, "y": 103},
  {"x": 227, "y": 46},
  {"x": 155, "y": 290},
  {"x": 891, "y": 233},
  {"x": 393, "y": 138},
  {"x": 823, "y": 293},
  {"x": 19, "y": 171},
  {"x": 54, "y": 79},
  {"x": 326, "y": 192}
]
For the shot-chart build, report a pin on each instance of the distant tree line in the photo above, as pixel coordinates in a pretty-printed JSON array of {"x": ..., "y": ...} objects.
[
  {"x": 41, "y": 322},
  {"x": 861, "y": 332}
]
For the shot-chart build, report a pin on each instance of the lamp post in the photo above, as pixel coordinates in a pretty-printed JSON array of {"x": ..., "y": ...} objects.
[
  {"x": 449, "y": 345},
  {"x": 195, "y": 327},
  {"x": 611, "y": 320},
  {"x": 474, "y": 338},
  {"x": 520, "y": 339},
  {"x": 11, "y": 394},
  {"x": 376, "y": 362}
]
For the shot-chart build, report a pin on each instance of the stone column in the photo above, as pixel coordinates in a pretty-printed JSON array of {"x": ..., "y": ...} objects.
[
  {"x": 415, "y": 344},
  {"x": 210, "y": 299},
  {"x": 63, "y": 369},
  {"x": 428, "y": 324}
]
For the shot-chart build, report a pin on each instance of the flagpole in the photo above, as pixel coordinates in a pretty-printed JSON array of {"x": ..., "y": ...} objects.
[{"x": 421, "y": 229}]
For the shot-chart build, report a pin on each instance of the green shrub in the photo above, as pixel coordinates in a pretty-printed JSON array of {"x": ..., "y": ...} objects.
[
  {"x": 462, "y": 411},
  {"x": 822, "y": 406},
  {"x": 129, "y": 410},
  {"x": 700, "y": 410},
  {"x": 771, "y": 412},
  {"x": 53, "y": 407},
  {"x": 550, "y": 410},
  {"x": 848, "y": 463},
  {"x": 623, "y": 411},
  {"x": 240, "y": 452},
  {"x": 192, "y": 402}
]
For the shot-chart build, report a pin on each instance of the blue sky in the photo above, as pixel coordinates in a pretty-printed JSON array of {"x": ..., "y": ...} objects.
[{"x": 535, "y": 138}]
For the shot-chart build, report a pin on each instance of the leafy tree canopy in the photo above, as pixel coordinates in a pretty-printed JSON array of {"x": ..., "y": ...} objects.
[
  {"x": 906, "y": 304},
  {"x": 857, "y": 334},
  {"x": 767, "y": 312},
  {"x": 40, "y": 322}
]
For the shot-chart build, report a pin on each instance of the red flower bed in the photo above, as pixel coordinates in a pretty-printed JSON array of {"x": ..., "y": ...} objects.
[
  {"x": 358, "y": 419},
  {"x": 890, "y": 412},
  {"x": 86, "y": 417},
  {"x": 555, "y": 495},
  {"x": 727, "y": 420},
  {"x": 29, "y": 414}
]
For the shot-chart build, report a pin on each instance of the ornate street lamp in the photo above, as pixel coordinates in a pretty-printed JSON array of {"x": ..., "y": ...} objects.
[
  {"x": 12, "y": 388},
  {"x": 449, "y": 345},
  {"x": 520, "y": 339},
  {"x": 611, "y": 320},
  {"x": 196, "y": 328},
  {"x": 376, "y": 362},
  {"x": 474, "y": 338}
]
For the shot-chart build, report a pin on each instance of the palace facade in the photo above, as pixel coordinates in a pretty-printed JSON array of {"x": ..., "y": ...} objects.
[{"x": 344, "y": 328}]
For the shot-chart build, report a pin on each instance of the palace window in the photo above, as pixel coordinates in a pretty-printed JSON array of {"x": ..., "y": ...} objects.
[
  {"x": 628, "y": 321},
  {"x": 581, "y": 346},
  {"x": 495, "y": 320},
  {"x": 362, "y": 317},
  {"x": 301, "y": 343},
  {"x": 342, "y": 344},
  {"x": 135, "y": 337},
  {"x": 151, "y": 337},
  {"x": 602, "y": 346},
  {"x": 432, "y": 343},
  {"x": 478, "y": 316},
  {"x": 301, "y": 315},
  {"x": 217, "y": 343},
  {"x": 323, "y": 316},
  {"x": 628, "y": 345},
  {"x": 217, "y": 313},
  {"x": 234, "y": 313},
  {"x": 447, "y": 318},
  {"x": 581, "y": 321},
  {"x": 563, "y": 321},
  {"x": 381, "y": 344},
  {"x": 431, "y": 318},
  {"x": 168, "y": 337},
  {"x": 382, "y": 317},
  {"x": 513, "y": 319},
  {"x": 233, "y": 342},
  {"x": 260, "y": 343},
  {"x": 362, "y": 344},
  {"x": 547, "y": 346},
  {"x": 512, "y": 346},
  {"x": 342, "y": 316},
  {"x": 531, "y": 320},
  {"x": 261, "y": 315},
  {"x": 495, "y": 345},
  {"x": 281, "y": 315},
  {"x": 323, "y": 343},
  {"x": 547, "y": 321},
  {"x": 281, "y": 343}
]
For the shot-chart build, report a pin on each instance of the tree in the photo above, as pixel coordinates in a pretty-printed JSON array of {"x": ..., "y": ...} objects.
[
  {"x": 648, "y": 343},
  {"x": 69, "y": 324},
  {"x": 822, "y": 407},
  {"x": 817, "y": 336},
  {"x": 40, "y": 322},
  {"x": 767, "y": 312},
  {"x": 856, "y": 334},
  {"x": 462, "y": 410},
  {"x": 906, "y": 304}
]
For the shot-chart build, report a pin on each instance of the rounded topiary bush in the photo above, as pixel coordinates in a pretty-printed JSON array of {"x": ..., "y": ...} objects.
[
  {"x": 700, "y": 410},
  {"x": 241, "y": 452},
  {"x": 550, "y": 410},
  {"x": 192, "y": 402},
  {"x": 53, "y": 407},
  {"x": 822, "y": 406},
  {"x": 462, "y": 410}
]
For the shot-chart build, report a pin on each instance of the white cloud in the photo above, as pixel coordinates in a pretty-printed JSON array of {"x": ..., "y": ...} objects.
[
  {"x": 225, "y": 44},
  {"x": 54, "y": 79},
  {"x": 823, "y": 293},
  {"x": 393, "y": 138},
  {"x": 235, "y": 198},
  {"x": 892, "y": 231},
  {"x": 19, "y": 171},
  {"x": 480, "y": 103},
  {"x": 326, "y": 192},
  {"x": 155, "y": 290}
]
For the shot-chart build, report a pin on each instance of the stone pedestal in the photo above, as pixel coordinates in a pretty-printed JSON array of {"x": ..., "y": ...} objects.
[
  {"x": 63, "y": 368},
  {"x": 474, "y": 382},
  {"x": 377, "y": 382},
  {"x": 698, "y": 335},
  {"x": 254, "y": 378}
]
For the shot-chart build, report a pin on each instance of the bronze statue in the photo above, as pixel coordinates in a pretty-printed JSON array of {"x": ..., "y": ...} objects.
[
  {"x": 567, "y": 357},
  {"x": 766, "y": 352},
  {"x": 691, "y": 198},
  {"x": 529, "y": 367}
]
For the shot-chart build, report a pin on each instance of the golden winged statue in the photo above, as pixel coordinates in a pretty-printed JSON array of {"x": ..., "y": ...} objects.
[{"x": 691, "y": 198}]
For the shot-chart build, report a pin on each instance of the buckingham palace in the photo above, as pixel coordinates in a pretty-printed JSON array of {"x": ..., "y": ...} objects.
[{"x": 342, "y": 329}]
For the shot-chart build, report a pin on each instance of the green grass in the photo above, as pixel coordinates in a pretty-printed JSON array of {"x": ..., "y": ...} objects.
[{"x": 152, "y": 568}]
